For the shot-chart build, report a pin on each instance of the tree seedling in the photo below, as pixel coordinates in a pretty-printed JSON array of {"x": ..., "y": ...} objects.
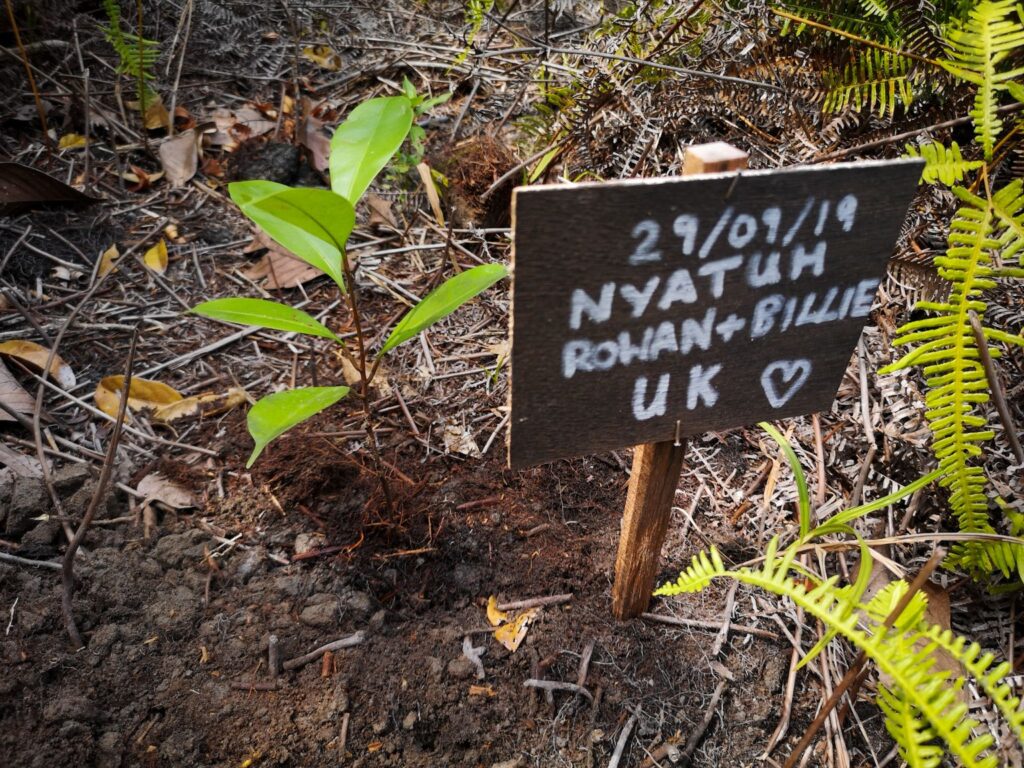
[{"x": 314, "y": 224}]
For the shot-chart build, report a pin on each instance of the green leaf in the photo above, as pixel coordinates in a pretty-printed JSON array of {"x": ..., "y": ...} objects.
[
  {"x": 266, "y": 314},
  {"x": 365, "y": 142},
  {"x": 248, "y": 192},
  {"x": 311, "y": 223},
  {"x": 275, "y": 414},
  {"x": 442, "y": 301},
  {"x": 804, "y": 504}
]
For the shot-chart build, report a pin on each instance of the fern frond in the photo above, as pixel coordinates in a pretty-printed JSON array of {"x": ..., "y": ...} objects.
[
  {"x": 977, "y": 47},
  {"x": 920, "y": 703},
  {"x": 956, "y": 380},
  {"x": 942, "y": 164},
  {"x": 1008, "y": 207},
  {"x": 877, "y": 79},
  {"x": 875, "y": 8},
  {"x": 136, "y": 55}
]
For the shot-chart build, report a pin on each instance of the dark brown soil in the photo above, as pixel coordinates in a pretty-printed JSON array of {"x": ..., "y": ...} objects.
[{"x": 166, "y": 639}]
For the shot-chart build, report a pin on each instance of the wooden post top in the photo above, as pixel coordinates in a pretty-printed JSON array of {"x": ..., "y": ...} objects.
[{"x": 715, "y": 157}]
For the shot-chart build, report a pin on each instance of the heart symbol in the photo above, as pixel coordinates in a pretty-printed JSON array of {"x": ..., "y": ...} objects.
[{"x": 793, "y": 375}]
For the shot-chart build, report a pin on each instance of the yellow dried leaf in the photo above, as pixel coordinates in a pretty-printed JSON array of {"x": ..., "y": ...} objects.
[
  {"x": 156, "y": 257},
  {"x": 482, "y": 690},
  {"x": 495, "y": 616},
  {"x": 511, "y": 635},
  {"x": 322, "y": 55},
  {"x": 143, "y": 395},
  {"x": 108, "y": 259},
  {"x": 156, "y": 115},
  {"x": 35, "y": 356},
  {"x": 207, "y": 404},
  {"x": 72, "y": 141}
]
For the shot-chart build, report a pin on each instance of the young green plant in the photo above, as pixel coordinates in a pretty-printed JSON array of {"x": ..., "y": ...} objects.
[
  {"x": 314, "y": 224},
  {"x": 919, "y": 699}
]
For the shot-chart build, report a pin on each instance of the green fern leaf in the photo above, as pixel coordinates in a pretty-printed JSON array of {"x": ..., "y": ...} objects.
[
  {"x": 956, "y": 380},
  {"x": 878, "y": 80},
  {"x": 923, "y": 713},
  {"x": 942, "y": 164},
  {"x": 1008, "y": 207},
  {"x": 978, "y": 46}
]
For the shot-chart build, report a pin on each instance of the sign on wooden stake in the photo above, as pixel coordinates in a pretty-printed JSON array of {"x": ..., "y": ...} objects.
[{"x": 645, "y": 311}]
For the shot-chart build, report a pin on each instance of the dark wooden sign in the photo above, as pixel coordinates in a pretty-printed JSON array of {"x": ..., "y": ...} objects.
[{"x": 651, "y": 310}]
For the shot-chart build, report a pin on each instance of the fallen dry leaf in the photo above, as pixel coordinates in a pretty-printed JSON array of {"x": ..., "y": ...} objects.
[
  {"x": 156, "y": 487},
  {"x": 143, "y": 395},
  {"x": 72, "y": 141},
  {"x": 20, "y": 464},
  {"x": 323, "y": 56},
  {"x": 108, "y": 259},
  {"x": 253, "y": 121},
  {"x": 482, "y": 690},
  {"x": 512, "y": 634},
  {"x": 494, "y": 616},
  {"x": 279, "y": 268},
  {"x": 313, "y": 138},
  {"x": 23, "y": 188},
  {"x": 13, "y": 395},
  {"x": 179, "y": 156},
  {"x": 35, "y": 356},
  {"x": 200, "y": 406},
  {"x": 156, "y": 116},
  {"x": 142, "y": 179},
  {"x": 156, "y": 257},
  {"x": 459, "y": 439},
  {"x": 380, "y": 212},
  {"x": 431, "y": 189}
]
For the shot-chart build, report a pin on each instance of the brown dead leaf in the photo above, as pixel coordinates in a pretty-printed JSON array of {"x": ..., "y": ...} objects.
[
  {"x": 512, "y": 634},
  {"x": 20, "y": 464},
  {"x": 13, "y": 395},
  {"x": 279, "y": 268},
  {"x": 380, "y": 212},
  {"x": 156, "y": 257},
  {"x": 253, "y": 121},
  {"x": 143, "y": 395},
  {"x": 200, "y": 406},
  {"x": 220, "y": 135},
  {"x": 23, "y": 188},
  {"x": 156, "y": 487},
  {"x": 179, "y": 156},
  {"x": 156, "y": 116},
  {"x": 459, "y": 439},
  {"x": 311, "y": 135},
  {"x": 482, "y": 690},
  {"x": 142, "y": 179},
  {"x": 431, "y": 189},
  {"x": 34, "y": 356},
  {"x": 108, "y": 259}
]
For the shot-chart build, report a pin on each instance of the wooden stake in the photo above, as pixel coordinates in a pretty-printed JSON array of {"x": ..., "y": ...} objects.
[{"x": 656, "y": 466}]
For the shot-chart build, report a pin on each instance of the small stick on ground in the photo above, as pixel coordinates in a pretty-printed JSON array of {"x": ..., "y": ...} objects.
[
  {"x": 343, "y": 739},
  {"x": 723, "y": 633},
  {"x": 68, "y": 566},
  {"x": 557, "y": 685},
  {"x": 702, "y": 727},
  {"x": 345, "y": 642},
  {"x": 15, "y": 560},
  {"x": 700, "y": 624},
  {"x": 581, "y": 677},
  {"x": 995, "y": 386},
  {"x": 534, "y": 602},
  {"x": 620, "y": 745}
]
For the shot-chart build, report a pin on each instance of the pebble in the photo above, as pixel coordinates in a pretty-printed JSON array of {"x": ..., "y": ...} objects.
[
  {"x": 320, "y": 614},
  {"x": 461, "y": 668},
  {"x": 410, "y": 721}
]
